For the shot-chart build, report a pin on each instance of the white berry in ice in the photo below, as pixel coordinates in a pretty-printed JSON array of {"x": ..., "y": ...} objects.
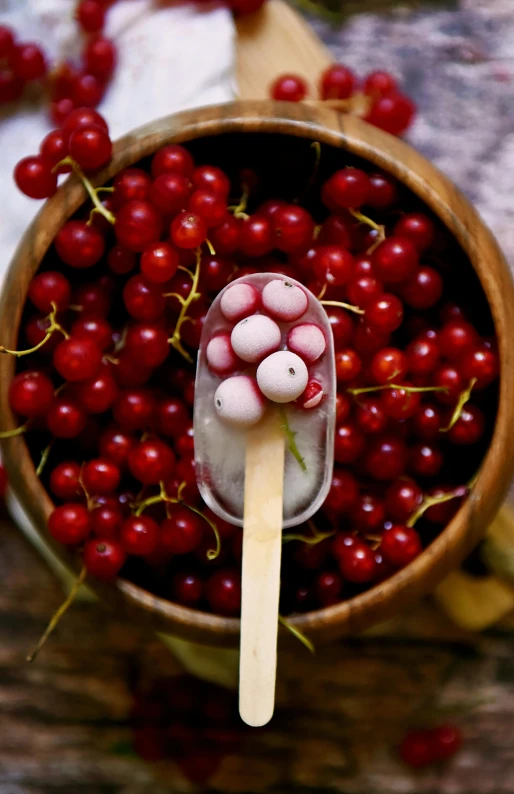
[
  {"x": 239, "y": 300},
  {"x": 220, "y": 356},
  {"x": 255, "y": 337},
  {"x": 239, "y": 402},
  {"x": 284, "y": 300},
  {"x": 308, "y": 341},
  {"x": 282, "y": 377}
]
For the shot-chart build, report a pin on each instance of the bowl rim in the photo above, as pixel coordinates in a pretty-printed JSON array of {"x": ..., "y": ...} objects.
[{"x": 443, "y": 198}]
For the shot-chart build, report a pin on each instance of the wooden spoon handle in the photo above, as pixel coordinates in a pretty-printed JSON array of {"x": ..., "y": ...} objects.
[{"x": 262, "y": 549}]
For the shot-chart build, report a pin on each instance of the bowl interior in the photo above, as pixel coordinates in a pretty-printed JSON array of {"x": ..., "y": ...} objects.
[{"x": 278, "y": 148}]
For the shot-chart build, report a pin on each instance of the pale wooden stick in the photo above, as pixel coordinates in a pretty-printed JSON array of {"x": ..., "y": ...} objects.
[{"x": 262, "y": 549}]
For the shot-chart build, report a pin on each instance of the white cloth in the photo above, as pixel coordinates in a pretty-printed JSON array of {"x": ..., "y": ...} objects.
[{"x": 171, "y": 57}]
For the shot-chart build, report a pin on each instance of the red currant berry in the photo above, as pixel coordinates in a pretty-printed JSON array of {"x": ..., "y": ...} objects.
[
  {"x": 327, "y": 588},
  {"x": 6, "y": 42},
  {"x": 400, "y": 545},
  {"x": 225, "y": 237},
  {"x": 47, "y": 288},
  {"x": 216, "y": 272},
  {"x": 255, "y": 236},
  {"x": 383, "y": 192},
  {"x": 333, "y": 265},
  {"x": 424, "y": 289},
  {"x": 348, "y": 443},
  {"x": 11, "y": 86},
  {"x": 418, "y": 228},
  {"x": 347, "y": 188},
  {"x": 148, "y": 343},
  {"x": 31, "y": 394},
  {"x": 91, "y": 15},
  {"x": 403, "y": 497},
  {"x": 143, "y": 300},
  {"x": 337, "y": 82},
  {"x": 400, "y": 403},
  {"x": 34, "y": 177},
  {"x": 211, "y": 179},
  {"x": 173, "y": 159},
  {"x": 343, "y": 494},
  {"x": 389, "y": 365},
  {"x": 418, "y": 749},
  {"x": 100, "y": 476},
  {"x": 289, "y": 88},
  {"x": 341, "y": 325},
  {"x": 395, "y": 260},
  {"x": 79, "y": 245},
  {"x": 106, "y": 521},
  {"x": 151, "y": 461},
  {"x": 91, "y": 147},
  {"x": 183, "y": 532},
  {"x": 134, "y": 409},
  {"x": 82, "y": 117},
  {"x": 369, "y": 513},
  {"x": 28, "y": 62},
  {"x": 223, "y": 592},
  {"x": 77, "y": 359},
  {"x": 97, "y": 394},
  {"x": 293, "y": 228},
  {"x": 211, "y": 207},
  {"x": 449, "y": 379},
  {"x": 357, "y": 563},
  {"x": 54, "y": 148},
  {"x": 448, "y": 740},
  {"x": 115, "y": 444},
  {"x": 187, "y": 589},
  {"x": 393, "y": 113},
  {"x": 482, "y": 364},
  {"x": 139, "y": 535},
  {"x": 367, "y": 341},
  {"x": 94, "y": 301},
  {"x": 427, "y": 422},
  {"x": 380, "y": 84},
  {"x": 171, "y": 417},
  {"x": 384, "y": 313},
  {"x": 370, "y": 415},
  {"x": 386, "y": 458},
  {"x": 100, "y": 57},
  {"x": 65, "y": 481},
  {"x": 348, "y": 365},
  {"x": 94, "y": 328},
  {"x": 120, "y": 260},
  {"x": 423, "y": 356},
  {"x": 337, "y": 230},
  {"x": 137, "y": 225},
  {"x": 88, "y": 91},
  {"x": 361, "y": 290},
  {"x": 104, "y": 558},
  {"x": 188, "y": 230},
  {"x": 426, "y": 460},
  {"x": 69, "y": 524},
  {"x": 469, "y": 427},
  {"x": 131, "y": 184}
]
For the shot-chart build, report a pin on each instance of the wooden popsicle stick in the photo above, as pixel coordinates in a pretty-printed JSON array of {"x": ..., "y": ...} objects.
[{"x": 262, "y": 550}]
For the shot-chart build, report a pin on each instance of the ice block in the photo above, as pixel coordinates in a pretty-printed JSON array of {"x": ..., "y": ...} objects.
[{"x": 264, "y": 420}]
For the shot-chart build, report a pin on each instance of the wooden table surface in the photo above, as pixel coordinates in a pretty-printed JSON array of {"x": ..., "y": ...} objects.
[{"x": 64, "y": 721}]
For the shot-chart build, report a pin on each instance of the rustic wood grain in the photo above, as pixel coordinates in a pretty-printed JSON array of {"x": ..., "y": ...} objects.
[
  {"x": 390, "y": 154},
  {"x": 339, "y": 714}
]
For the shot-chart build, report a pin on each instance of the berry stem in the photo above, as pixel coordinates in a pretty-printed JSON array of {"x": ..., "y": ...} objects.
[
  {"x": 239, "y": 210},
  {"x": 368, "y": 389},
  {"x": 54, "y": 326},
  {"x": 175, "y": 340},
  {"x": 369, "y": 222},
  {"x": 341, "y": 305},
  {"x": 211, "y": 554},
  {"x": 297, "y": 633},
  {"x": 44, "y": 457},
  {"x": 59, "y": 614},
  {"x": 98, "y": 207},
  {"x": 291, "y": 440},
  {"x": 311, "y": 540},
  {"x": 463, "y": 399},
  {"x": 430, "y": 501},
  {"x": 18, "y": 431}
]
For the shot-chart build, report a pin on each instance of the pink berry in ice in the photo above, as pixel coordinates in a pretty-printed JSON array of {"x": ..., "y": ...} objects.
[
  {"x": 255, "y": 337},
  {"x": 239, "y": 301},
  {"x": 284, "y": 300},
  {"x": 312, "y": 396},
  {"x": 282, "y": 377},
  {"x": 239, "y": 402},
  {"x": 307, "y": 340},
  {"x": 220, "y": 357}
]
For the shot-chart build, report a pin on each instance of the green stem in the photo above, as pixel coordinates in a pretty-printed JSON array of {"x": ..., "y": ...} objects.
[
  {"x": 341, "y": 305},
  {"x": 368, "y": 389},
  {"x": 44, "y": 457},
  {"x": 92, "y": 192},
  {"x": 175, "y": 340},
  {"x": 297, "y": 633},
  {"x": 18, "y": 431},
  {"x": 291, "y": 440},
  {"x": 463, "y": 399}
]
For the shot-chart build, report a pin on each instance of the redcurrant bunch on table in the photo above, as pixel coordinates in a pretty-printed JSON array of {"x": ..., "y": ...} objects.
[
  {"x": 105, "y": 387},
  {"x": 377, "y": 99}
]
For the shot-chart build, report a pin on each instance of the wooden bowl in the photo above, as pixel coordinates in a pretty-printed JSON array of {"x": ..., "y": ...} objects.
[{"x": 441, "y": 196}]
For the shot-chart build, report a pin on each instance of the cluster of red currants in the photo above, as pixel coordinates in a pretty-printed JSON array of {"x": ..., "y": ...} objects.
[
  {"x": 191, "y": 722},
  {"x": 379, "y": 100},
  {"x": 422, "y": 748},
  {"x": 113, "y": 373},
  {"x": 67, "y": 87}
]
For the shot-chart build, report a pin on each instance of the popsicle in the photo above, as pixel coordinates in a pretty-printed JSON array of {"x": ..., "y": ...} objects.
[{"x": 264, "y": 420}]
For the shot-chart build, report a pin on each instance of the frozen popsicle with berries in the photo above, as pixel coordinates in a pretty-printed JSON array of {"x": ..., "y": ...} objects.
[{"x": 264, "y": 422}]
